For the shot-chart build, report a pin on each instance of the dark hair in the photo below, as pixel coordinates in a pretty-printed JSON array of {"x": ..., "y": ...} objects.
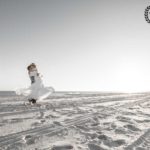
[{"x": 32, "y": 64}]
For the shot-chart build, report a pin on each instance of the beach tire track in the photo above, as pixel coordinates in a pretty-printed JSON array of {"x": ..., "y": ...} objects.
[
  {"x": 137, "y": 102},
  {"x": 50, "y": 130},
  {"x": 42, "y": 131},
  {"x": 66, "y": 104},
  {"x": 141, "y": 140}
]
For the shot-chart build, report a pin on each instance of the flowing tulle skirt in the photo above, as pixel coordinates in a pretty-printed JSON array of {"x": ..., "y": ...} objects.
[{"x": 37, "y": 90}]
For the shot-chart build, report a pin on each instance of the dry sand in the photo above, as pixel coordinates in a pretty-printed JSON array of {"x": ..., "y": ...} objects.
[{"x": 76, "y": 121}]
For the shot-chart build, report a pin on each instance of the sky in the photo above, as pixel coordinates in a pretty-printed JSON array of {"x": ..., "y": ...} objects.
[{"x": 78, "y": 45}]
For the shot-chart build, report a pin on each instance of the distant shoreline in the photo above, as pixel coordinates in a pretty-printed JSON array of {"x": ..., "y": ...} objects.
[{"x": 12, "y": 93}]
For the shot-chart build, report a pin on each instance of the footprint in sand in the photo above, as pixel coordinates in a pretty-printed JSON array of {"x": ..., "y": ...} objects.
[
  {"x": 103, "y": 137},
  {"x": 36, "y": 124},
  {"x": 63, "y": 147},
  {"x": 57, "y": 123},
  {"x": 95, "y": 147},
  {"x": 141, "y": 148},
  {"x": 142, "y": 121},
  {"x": 120, "y": 130},
  {"x": 115, "y": 143},
  {"x": 132, "y": 127},
  {"x": 124, "y": 119},
  {"x": 15, "y": 120},
  {"x": 109, "y": 142},
  {"x": 29, "y": 139},
  {"x": 42, "y": 120}
]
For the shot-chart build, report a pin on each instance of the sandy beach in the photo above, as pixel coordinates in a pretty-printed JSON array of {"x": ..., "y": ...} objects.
[{"x": 76, "y": 121}]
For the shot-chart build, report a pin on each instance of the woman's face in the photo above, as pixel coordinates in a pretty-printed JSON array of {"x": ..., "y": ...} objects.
[{"x": 32, "y": 67}]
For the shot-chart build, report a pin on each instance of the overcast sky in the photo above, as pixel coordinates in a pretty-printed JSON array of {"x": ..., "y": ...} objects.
[{"x": 81, "y": 45}]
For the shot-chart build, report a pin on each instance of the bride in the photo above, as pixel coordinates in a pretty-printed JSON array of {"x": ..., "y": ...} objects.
[{"x": 36, "y": 91}]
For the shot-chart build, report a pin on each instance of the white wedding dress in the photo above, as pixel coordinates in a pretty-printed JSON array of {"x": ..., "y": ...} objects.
[{"x": 37, "y": 90}]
